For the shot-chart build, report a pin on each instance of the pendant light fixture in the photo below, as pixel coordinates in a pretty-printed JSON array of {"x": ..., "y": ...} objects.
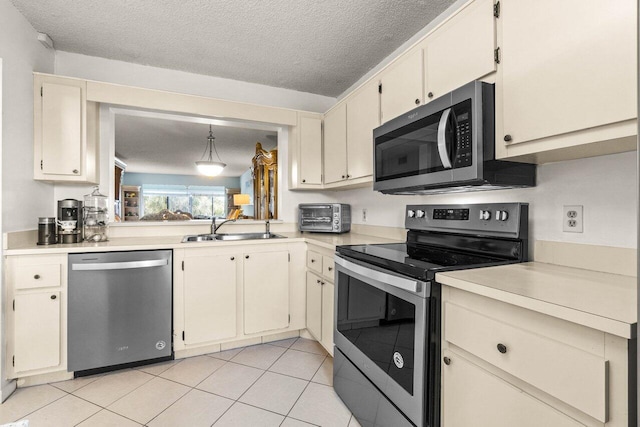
[{"x": 209, "y": 167}]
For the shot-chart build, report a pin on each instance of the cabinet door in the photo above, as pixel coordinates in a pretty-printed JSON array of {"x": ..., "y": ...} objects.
[
  {"x": 62, "y": 128},
  {"x": 363, "y": 115},
  {"x": 37, "y": 331},
  {"x": 210, "y": 298},
  {"x": 327, "y": 316},
  {"x": 474, "y": 397},
  {"x": 314, "y": 305},
  {"x": 335, "y": 144},
  {"x": 566, "y": 67},
  {"x": 402, "y": 87},
  {"x": 266, "y": 291},
  {"x": 310, "y": 150},
  {"x": 461, "y": 50}
]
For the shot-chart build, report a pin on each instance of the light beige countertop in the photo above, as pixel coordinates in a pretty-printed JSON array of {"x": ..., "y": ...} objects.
[
  {"x": 603, "y": 301},
  {"x": 329, "y": 241}
]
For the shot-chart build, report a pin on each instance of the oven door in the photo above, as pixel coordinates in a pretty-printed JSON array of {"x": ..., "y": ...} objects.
[{"x": 381, "y": 326}]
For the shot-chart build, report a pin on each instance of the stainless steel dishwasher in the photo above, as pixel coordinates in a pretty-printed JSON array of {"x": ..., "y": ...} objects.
[{"x": 120, "y": 310}]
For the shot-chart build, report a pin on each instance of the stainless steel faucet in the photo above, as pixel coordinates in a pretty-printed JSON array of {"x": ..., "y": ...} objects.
[
  {"x": 214, "y": 227},
  {"x": 267, "y": 227}
]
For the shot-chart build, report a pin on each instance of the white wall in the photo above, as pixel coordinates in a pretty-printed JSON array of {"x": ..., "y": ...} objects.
[
  {"x": 108, "y": 70},
  {"x": 605, "y": 186},
  {"x": 23, "y": 199}
]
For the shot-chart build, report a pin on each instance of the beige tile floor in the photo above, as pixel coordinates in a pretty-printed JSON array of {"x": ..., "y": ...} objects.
[{"x": 285, "y": 383}]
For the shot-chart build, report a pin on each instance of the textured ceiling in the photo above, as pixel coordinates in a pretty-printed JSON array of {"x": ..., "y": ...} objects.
[
  {"x": 316, "y": 46},
  {"x": 150, "y": 145}
]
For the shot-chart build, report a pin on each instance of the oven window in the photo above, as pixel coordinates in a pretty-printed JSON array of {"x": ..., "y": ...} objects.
[
  {"x": 319, "y": 217},
  {"x": 380, "y": 325}
]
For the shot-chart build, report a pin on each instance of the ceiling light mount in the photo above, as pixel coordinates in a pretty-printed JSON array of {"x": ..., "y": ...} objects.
[{"x": 210, "y": 167}]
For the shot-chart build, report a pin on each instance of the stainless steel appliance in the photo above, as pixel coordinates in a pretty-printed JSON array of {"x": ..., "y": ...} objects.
[
  {"x": 69, "y": 221},
  {"x": 120, "y": 310},
  {"x": 47, "y": 234},
  {"x": 324, "y": 217},
  {"x": 445, "y": 145},
  {"x": 387, "y": 326}
]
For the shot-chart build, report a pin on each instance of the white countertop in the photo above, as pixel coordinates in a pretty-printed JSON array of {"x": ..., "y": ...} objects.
[
  {"x": 603, "y": 301},
  {"x": 326, "y": 240}
]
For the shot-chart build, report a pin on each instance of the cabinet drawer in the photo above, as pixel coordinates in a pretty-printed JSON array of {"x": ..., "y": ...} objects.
[
  {"x": 314, "y": 261},
  {"x": 37, "y": 276},
  {"x": 574, "y": 376},
  {"x": 328, "y": 268}
]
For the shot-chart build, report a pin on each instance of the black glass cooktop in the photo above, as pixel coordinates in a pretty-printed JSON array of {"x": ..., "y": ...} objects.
[{"x": 421, "y": 262}]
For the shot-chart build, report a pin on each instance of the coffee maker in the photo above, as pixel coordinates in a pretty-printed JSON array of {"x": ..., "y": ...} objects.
[{"x": 69, "y": 221}]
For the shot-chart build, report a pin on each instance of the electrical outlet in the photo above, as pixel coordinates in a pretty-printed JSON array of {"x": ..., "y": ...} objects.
[
  {"x": 572, "y": 219},
  {"x": 364, "y": 215}
]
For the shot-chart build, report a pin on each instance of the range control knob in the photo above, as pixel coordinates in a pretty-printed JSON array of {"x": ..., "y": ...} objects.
[
  {"x": 502, "y": 215},
  {"x": 411, "y": 213},
  {"x": 485, "y": 215},
  {"x": 419, "y": 213}
]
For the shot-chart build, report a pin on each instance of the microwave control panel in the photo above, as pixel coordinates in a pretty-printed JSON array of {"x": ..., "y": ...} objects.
[{"x": 464, "y": 151}]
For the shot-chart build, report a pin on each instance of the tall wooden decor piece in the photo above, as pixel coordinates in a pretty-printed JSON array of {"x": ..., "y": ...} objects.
[{"x": 265, "y": 183}]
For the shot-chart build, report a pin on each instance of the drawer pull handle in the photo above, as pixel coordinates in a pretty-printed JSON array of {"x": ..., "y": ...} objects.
[
  {"x": 447, "y": 361},
  {"x": 53, "y": 297},
  {"x": 502, "y": 348},
  {"x": 37, "y": 276}
]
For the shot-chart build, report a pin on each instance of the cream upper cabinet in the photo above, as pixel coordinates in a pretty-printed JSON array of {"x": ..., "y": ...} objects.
[
  {"x": 401, "y": 85},
  {"x": 567, "y": 78},
  {"x": 210, "y": 298},
  {"x": 65, "y": 131},
  {"x": 266, "y": 291},
  {"x": 335, "y": 144},
  {"x": 309, "y": 149},
  {"x": 461, "y": 50},
  {"x": 363, "y": 115}
]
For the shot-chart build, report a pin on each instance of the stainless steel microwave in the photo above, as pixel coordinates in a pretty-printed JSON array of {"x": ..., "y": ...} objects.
[
  {"x": 324, "y": 217},
  {"x": 445, "y": 145}
]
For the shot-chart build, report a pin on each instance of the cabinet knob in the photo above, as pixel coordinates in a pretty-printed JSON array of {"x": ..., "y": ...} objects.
[
  {"x": 348, "y": 176},
  {"x": 507, "y": 138},
  {"x": 502, "y": 348},
  {"x": 37, "y": 276},
  {"x": 53, "y": 297},
  {"x": 322, "y": 283},
  {"x": 430, "y": 94},
  {"x": 343, "y": 177},
  {"x": 75, "y": 171},
  {"x": 417, "y": 101},
  {"x": 232, "y": 258},
  {"x": 318, "y": 281},
  {"x": 313, "y": 260},
  {"x": 304, "y": 180},
  {"x": 446, "y": 361},
  {"x": 246, "y": 257},
  {"x": 330, "y": 268}
]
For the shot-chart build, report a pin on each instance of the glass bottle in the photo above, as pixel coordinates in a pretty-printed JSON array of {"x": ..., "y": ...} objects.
[{"x": 96, "y": 217}]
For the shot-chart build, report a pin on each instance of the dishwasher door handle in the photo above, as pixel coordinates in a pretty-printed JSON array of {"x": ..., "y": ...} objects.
[{"x": 119, "y": 265}]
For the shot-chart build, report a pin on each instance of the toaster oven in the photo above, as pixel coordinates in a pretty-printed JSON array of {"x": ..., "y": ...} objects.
[{"x": 324, "y": 217}]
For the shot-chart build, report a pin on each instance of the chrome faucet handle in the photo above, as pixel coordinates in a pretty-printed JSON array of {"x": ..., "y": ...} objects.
[{"x": 267, "y": 227}]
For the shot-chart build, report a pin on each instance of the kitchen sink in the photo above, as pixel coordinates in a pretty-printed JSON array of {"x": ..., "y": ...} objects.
[{"x": 230, "y": 237}]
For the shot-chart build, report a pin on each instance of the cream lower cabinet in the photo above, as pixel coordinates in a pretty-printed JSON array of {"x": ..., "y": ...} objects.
[
  {"x": 266, "y": 291},
  {"x": 36, "y": 319},
  {"x": 210, "y": 297},
  {"x": 320, "y": 296},
  {"x": 566, "y": 82},
  {"x": 503, "y": 365}
]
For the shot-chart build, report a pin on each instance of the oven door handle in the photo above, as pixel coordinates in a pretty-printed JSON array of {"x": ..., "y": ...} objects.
[
  {"x": 442, "y": 139},
  {"x": 390, "y": 279}
]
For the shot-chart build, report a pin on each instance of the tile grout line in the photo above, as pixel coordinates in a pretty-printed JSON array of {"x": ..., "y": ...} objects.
[{"x": 43, "y": 406}]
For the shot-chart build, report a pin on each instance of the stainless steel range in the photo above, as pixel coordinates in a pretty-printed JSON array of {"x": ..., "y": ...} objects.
[{"x": 387, "y": 326}]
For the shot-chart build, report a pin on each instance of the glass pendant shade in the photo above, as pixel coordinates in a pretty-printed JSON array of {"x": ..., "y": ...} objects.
[{"x": 209, "y": 168}]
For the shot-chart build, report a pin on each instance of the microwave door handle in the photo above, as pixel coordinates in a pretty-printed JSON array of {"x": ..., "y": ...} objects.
[{"x": 442, "y": 139}]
